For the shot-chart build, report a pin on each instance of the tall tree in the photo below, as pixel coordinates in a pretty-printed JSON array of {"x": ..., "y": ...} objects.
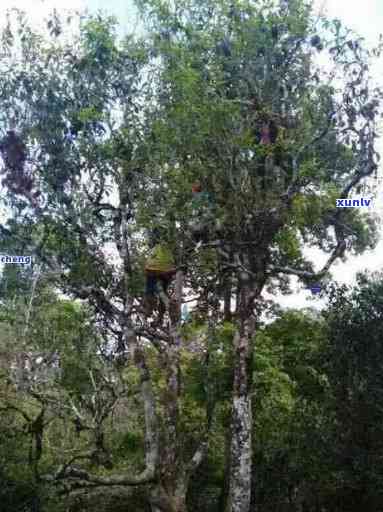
[
  {"x": 276, "y": 140},
  {"x": 81, "y": 113}
]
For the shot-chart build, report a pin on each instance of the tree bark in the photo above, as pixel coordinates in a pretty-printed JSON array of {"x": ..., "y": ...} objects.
[
  {"x": 170, "y": 494},
  {"x": 241, "y": 427},
  {"x": 161, "y": 501},
  {"x": 171, "y": 365}
]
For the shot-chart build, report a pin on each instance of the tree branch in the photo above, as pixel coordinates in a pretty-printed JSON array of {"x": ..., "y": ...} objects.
[
  {"x": 337, "y": 252},
  {"x": 10, "y": 407},
  {"x": 197, "y": 458},
  {"x": 147, "y": 476}
]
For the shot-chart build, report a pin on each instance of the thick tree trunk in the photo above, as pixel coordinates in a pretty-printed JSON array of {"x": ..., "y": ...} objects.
[
  {"x": 171, "y": 365},
  {"x": 161, "y": 501},
  {"x": 170, "y": 449},
  {"x": 170, "y": 494},
  {"x": 241, "y": 453},
  {"x": 241, "y": 427}
]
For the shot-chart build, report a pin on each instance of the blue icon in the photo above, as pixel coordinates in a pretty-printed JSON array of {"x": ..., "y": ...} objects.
[{"x": 315, "y": 289}]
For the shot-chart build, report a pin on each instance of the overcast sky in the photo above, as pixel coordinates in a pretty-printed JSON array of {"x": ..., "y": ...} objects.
[{"x": 365, "y": 17}]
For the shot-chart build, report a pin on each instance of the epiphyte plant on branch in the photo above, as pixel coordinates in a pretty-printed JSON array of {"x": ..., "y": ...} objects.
[{"x": 17, "y": 178}]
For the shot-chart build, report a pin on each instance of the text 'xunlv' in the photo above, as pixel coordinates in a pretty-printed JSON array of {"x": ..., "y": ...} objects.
[{"x": 352, "y": 203}]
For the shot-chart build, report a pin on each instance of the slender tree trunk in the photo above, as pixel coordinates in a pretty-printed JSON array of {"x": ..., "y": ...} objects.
[
  {"x": 227, "y": 300},
  {"x": 171, "y": 496},
  {"x": 241, "y": 428},
  {"x": 175, "y": 473},
  {"x": 170, "y": 448},
  {"x": 223, "y": 499},
  {"x": 171, "y": 365}
]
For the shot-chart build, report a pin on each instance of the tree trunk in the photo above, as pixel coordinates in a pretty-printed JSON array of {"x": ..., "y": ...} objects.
[
  {"x": 227, "y": 300},
  {"x": 170, "y": 494},
  {"x": 161, "y": 501},
  {"x": 223, "y": 500},
  {"x": 241, "y": 427},
  {"x": 170, "y": 448}
]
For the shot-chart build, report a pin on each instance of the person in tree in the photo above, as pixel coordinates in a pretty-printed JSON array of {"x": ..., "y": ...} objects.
[
  {"x": 202, "y": 217},
  {"x": 270, "y": 171},
  {"x": 159, "y": 271},
  {"x": 265, "y": 135}
]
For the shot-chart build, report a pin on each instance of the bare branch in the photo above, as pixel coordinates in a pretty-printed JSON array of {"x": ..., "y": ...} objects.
[
  {"x": 146, "y": 477},
  {"x": 10, "y": 407},
  {"x": 337, "y": 253},
  {"x": 99, "y": 298}
]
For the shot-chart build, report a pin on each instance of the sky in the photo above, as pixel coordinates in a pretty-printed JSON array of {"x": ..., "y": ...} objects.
[{"x": 365, "y": 17}]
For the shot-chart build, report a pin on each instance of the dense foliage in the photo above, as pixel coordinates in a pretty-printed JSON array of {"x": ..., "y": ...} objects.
[{"x": 317, "y": 402}]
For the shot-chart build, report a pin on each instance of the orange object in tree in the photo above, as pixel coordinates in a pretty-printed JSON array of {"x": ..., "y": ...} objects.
[{"x": 197, "y": 187}]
